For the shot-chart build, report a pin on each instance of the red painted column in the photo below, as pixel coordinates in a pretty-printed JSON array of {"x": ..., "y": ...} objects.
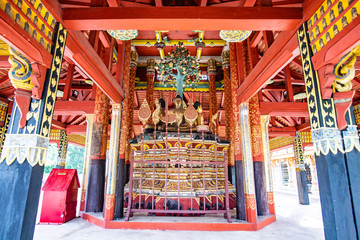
[
  {"x": 126, "y": 128},
  {"x": 258, "y": 156},
  {"x": 150, "y": 75},
  {"x": 211, "y": 71},
  {"x": 238, "y": 178},
  {"x": 133, "y": 65},
  {"x": 126, "y": 104},
  {"x": 96, "y": 178},
  {"x": 228, "y": 105}
]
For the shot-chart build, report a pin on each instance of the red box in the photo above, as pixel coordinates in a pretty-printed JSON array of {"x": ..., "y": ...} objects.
[{"x": 60, "y": 196}]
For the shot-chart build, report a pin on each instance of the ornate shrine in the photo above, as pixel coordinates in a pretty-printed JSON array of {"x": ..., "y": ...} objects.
[
  {"x": 179, "y": 173},
  {"x": 252, "y": 77}
]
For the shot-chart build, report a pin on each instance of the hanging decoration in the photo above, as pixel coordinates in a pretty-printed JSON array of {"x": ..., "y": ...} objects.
[
  {"x": 234, "y": 35},
  {"x": 123, "y": 34},
  {"x": 179, "y": 69}
]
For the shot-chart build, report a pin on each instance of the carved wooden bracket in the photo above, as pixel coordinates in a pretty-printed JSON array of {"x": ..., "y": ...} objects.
[
  {"x": 342, "y": 101},
  {"x": 326, "y": 79},
  {"x": 38, "y": 80},
  {"x": 22, "y": 99}
]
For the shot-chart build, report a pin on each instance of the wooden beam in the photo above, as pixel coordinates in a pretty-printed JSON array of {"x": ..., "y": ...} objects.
[
  {"x": 303, "y": 127},
  {"x": 76, "y": 129},
  {"x": 284, "y": 109},
  {"x": 282, "y": 132},
  {"x": 58, "y": 124},
  {"x": 203, "y": 3},
  {"x": 74, "y": 107},
  {"x": 79, "y": 50},
  {"x": 158, "y": 3},
  {"x": 68, "y": 80},
  {"x": 4, "y": 62},
  {"x": 79, "y": 130},
  {"x": 288, "y": 84},
  {"x": 182, "y": 18},
  {"x": 281, "y": 52}
]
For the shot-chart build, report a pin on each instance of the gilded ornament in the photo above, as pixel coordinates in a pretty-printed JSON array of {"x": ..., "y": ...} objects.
[
  {"x": 144, "y": 112},
  {"x": 123, "y": 35},
  {"x": 20, "y": 71},
  {"x": 234, "y": 35}
]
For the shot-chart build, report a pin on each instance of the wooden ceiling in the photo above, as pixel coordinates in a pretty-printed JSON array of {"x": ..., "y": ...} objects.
[{"x": 287, "y": 82}]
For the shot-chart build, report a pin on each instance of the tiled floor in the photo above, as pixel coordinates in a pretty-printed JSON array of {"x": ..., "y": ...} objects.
[{"x": 294, "y": 221}]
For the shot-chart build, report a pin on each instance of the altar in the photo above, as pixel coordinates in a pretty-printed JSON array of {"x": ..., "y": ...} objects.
[{"x": 178, "y": 173}]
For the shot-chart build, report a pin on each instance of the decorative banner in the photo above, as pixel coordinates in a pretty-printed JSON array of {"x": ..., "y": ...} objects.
[
  {"x": 33, "y": 17},
  {"x": 234, "y": 35},
  {"x": 329, "y": 20},
  {"x": 123, "y": 34}
]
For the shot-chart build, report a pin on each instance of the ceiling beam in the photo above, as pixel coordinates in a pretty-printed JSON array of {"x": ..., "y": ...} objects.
[
  {"x": 281, "y": 52},
  {"x": 79, "y": 50},
  {"x": 182, "y": 18},
  {"x": 4, "y": 62},
  {"x": 58, "y": 124},
  {"x": 74, "y": 107},
  {"x": 282, "y": 132},
  {"x": 284, "y": 109}
]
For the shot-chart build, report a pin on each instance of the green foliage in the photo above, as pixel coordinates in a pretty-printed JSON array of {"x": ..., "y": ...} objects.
[{"x": 74, "y": 158}]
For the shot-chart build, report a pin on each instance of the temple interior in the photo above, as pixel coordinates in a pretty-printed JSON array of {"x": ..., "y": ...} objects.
[{"x": 183, "y": 108}]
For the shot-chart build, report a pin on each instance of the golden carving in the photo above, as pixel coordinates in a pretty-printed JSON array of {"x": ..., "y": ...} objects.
[{"x": 345, "y": 71}]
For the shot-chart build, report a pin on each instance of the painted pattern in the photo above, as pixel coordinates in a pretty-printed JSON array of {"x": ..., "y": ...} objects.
[
  {"x": 330, "y": 19},
  {"x": 298, "y": 153},
  {"x": 235, "y": 138},
  {"x": 3, "y": 131},
  {"x": 126, "y": 86},
  {"x": 279, "y": 142},
  {"x": 212, "y": 91},
  {"x": 62, "y": 150},
  {"x": 255, "y": 123},
  {"x": 325, "y": 134},
  {"x": 234, "y": 35},
  {"x": 228, "y": 104},
  {"x": 33, "y": 17}
]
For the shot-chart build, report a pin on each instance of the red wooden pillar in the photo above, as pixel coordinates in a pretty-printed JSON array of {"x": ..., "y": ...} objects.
[
  {"x": 258, "y": 156},
  {"x": 211, "y": 71},
  {"x": 96, "y": 175},
  {"x": 133, "y": 65},
  {"x": 123, "y": 166},
  {"x": 150, "y": 75},
  {"x": 126, "y": 104},
  {"x": 238, "y": 181},
  {"x": 228, "y": 104}
]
